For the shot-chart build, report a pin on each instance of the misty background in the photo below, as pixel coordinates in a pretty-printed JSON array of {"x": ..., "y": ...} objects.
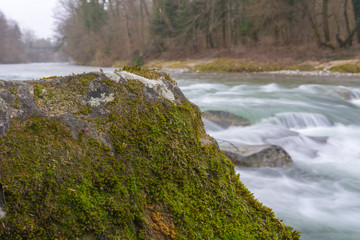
[{"x": 106, "y": 32}]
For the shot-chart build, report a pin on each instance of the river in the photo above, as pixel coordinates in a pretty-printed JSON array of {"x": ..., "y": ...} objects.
[{"x": 320, "y": 194}]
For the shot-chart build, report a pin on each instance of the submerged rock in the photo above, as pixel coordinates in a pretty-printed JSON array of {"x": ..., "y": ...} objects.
[
  {"x": 343, "y": 93},
  {"x": 257, "y": 155},
  {"x": 225, "y": 119},
  {"x": 319, "y": 139},
  {"x": 103, "y": 155}
]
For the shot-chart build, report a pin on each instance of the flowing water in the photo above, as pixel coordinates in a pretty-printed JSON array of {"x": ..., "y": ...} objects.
[
  {"x": 39, "y": 70},
  {"x": 316, "y": 119}
]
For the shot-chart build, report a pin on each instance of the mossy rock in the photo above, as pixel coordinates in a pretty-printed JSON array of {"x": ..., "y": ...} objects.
[{"x": 118, "y": 156}]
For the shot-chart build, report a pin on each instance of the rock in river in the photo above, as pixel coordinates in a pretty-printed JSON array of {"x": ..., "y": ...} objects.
[
  {"x": 225, "y": 119},
  {"x": 257, "y": 155}
]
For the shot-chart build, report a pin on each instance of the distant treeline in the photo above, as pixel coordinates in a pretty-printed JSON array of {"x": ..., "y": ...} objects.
[
  {"x": 17, "y": 46},
  {"x": 103, "y": 31}
]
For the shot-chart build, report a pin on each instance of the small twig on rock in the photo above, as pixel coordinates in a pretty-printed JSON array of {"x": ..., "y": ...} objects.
[{"x": 221, "y": 140}]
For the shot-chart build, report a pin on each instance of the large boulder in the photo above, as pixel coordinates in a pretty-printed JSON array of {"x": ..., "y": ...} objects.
[
  {"x": 118, "y": 155},
  {"x": 257, "y": 155},
  {"x": 225, "y": 119}
]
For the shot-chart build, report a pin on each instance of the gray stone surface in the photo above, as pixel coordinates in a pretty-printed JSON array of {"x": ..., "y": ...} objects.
[
  {"x": 17, "y": 99},
  {"x": 257, "y": 155},
  {"x": 345, "y": 94},
  {"x": 225, "y": 119}
]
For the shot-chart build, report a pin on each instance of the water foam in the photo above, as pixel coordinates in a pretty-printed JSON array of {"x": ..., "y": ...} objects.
[
  {"x": 320, "y": 195},
  {"x": 299, "y": 120}
]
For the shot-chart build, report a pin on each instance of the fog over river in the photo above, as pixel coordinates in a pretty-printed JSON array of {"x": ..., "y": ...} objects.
[{"x": 320, "y": 194}]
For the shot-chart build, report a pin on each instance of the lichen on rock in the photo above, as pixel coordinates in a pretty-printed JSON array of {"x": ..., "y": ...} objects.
[{"x": 136, "y": 163}]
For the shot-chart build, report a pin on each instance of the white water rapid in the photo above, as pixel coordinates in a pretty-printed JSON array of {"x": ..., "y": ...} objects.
[{"x": 317, "y": 124}]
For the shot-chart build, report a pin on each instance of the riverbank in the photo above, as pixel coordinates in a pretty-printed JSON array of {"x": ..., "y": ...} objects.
[
  {"x": 260, "y": 59},
  {"x": 243, "y": 65}
]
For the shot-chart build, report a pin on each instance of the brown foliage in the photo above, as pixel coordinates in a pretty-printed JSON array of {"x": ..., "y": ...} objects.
[
  {"x": 10, "y": 41},
  {"x": 130, "y": 29},
  {"x": 121, "y": 34}
]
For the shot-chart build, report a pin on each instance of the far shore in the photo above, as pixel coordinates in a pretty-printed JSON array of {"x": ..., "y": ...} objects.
[
  {"x": 258, "y": 59},
  {"x": 351, "y": 66}
]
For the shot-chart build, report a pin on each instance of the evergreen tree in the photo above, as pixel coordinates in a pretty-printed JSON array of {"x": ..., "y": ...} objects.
[
  {"x": 94, "y": 14},
  {"x": 356, "y": 7}
]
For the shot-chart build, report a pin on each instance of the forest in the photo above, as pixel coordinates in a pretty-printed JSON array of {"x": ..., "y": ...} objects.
[
  {"x": 101, "y": 32},
  {"x": 22, "y": 45}
]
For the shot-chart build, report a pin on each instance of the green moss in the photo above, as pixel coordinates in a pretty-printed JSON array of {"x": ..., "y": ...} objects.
[
  {"x": 85, "y": 110},
  {"x": 14, "y": 91},
  {"x": 64, "y": 97},
  {"x": 61, "y": 179},
  {"x": 51, "y": 77},
  {"x": 347, "y": 68},
  {"x": 154, "y": 181},
  {"x": 177, "y": 64},
  {"x": 39, "y": 91},
  {"x": 83, "y": 82},
  {"x": 234, "y": 65},
  {"x": 144, "y": 72},
  {"x": 229, "y": 65},
  {"x": 167, "y": 77},
  {"x": 301, "y": 68}
]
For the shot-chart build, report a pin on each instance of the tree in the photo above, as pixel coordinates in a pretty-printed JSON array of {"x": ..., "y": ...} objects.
[
  {"x": 356, "y": 7},
  {"x": 10, "y": 41},
  {"x": 331, "y": 20},
  {"x": 100, "y": 32}
]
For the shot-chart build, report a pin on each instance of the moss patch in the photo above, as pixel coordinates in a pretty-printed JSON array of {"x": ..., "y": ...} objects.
[
  {"x": 39, "y": 91},
  {"x": 149, "y": 73},
  {"x": 51, "y": 77},
  {"x": 346, "y": 68},
  {"x": 234, "y": 65},
  {"x": 65, "y": 96},
  {"x": 228, "y": 65}
]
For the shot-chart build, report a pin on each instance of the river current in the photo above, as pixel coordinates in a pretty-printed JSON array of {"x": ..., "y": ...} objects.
[{"x": 316, "y": 119}]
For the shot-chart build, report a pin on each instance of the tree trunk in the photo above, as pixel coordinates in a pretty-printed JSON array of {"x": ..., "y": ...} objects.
[
  {"x": 164, "y": 15},
  {"x": 325, "y": 18},
  {"x": 348, "y": 40},
  {"x": 356, "y": 7},
  {"x": 346, "y": 17},
  {"x": 129, "y": 33},
  {"x": 144, "y": 6},
  {"x": 210, "y": 25},
  {"x": 223, "y": 17},
  {"x": 314, "y": 25},
  {"x": 228, "y": 23},
  {"x": 142, "y": 28}
]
